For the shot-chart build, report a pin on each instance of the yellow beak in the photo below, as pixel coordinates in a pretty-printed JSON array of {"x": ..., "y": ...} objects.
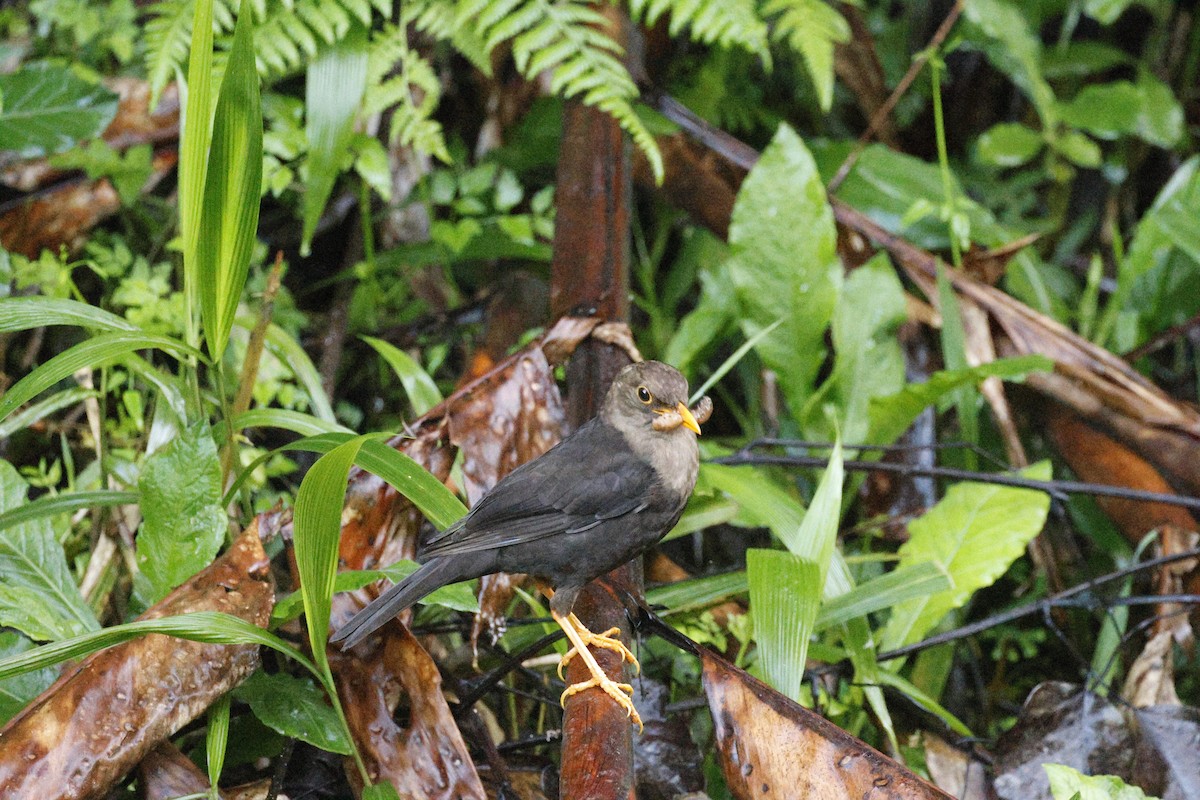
[{"x": 689, "y": 421}]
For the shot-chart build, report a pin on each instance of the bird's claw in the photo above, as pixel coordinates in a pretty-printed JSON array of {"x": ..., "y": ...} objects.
[
  {"x": 608, "y": 641},
  {"x": 619, "y": 692}
]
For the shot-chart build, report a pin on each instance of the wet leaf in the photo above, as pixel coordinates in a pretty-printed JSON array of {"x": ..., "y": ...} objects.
[
  {"x": 183, "y": 523},
  {"x": 295, "y": 707}
]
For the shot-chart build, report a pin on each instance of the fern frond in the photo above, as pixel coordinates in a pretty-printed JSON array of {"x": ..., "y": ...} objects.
[
  {"x": 168, "y": 34},
  {"x": 400, "y": 79},
  {"x": 567, "y": 39},
  {"x": 728, "y": 23},
  {"x": 811, "y": 28},
  {"x": 288, "y": 33},
  {"x": 438, "y": 19}
]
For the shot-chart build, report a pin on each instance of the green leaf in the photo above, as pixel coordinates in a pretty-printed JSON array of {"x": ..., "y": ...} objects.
[
  {"x": 24, "y": 313},
  {"x": 285, "y": 347},
  {"x": 1106, "y": 12},
  {"x": 202, "y": 626},
  {"x": 18, "y": 690},
  {"x": 455, "y": 596},
  {"x": 869, "y": 362},
  {"x": 194, "y": 149},
  {"x": 785, "y": 594},
  {"x": 232, "y": 186},
  {"x": 183, "y": 523},
  {"x": 318, "y": 528},
  {"x": 380, "y": 791},
  {"x": 422, "y": 392},
  {"x": 47, "y": 108},
  {"x": 976, "y": 531},
  {"x": 786, "y": 588},
  {"x": 1068, "y": 783},
  {"x": 334, "y": 89},
  {"x": 216, "y": 740},
  {"x": 811, "y": 28},
  {"x": 1003, "y": 32},
  {"x": 38, "y": 596},
  {"x": 52, "y": 505},
  {"x": 784, "y": 241},
  {"x": 1147, "y": 109},
  {"x": 1009, "y": 144},
  {"x": 1078, "y": 149},
  {"x": 891, "y": 415},
  {"x": 35, "y": 412},
  {"x": 697, "y": 593},
  {"x": 761, "y": 502},
  {"x": 95, "y": 352},
  {"x": 295, "y": 708},
  {"x": 288, "y": 420},
  {"x": 904, "y": 583}
]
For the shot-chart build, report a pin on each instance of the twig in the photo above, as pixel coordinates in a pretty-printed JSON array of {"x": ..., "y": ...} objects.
[
  {"x": 1062, "y": 599},
  {"x": 885, "y": 110},
  {"x": 1056, "y": 489}
]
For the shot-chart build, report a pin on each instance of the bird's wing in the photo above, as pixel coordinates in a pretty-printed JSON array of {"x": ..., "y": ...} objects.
[{"x": 589, "y": 477}]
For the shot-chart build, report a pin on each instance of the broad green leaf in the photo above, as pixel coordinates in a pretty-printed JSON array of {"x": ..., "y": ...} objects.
[
  {"x": 785, "y": 594},
  {"x": 24, "y": 313},
  {"x": 890, "y": 589},
  {"x": 1081, "y": 59},
  {"x": 713, "y": 315},
  {"x": 296, "y": 708},
  {"x": 38, "y": 596},
  {"x": 17, "y": 691},
  {"x": 47, "y": 108},
  {"x": 63, "y": 504},
  {"x": 455, "y": 596},
  {"x": 95, "y": 352},
  {"x": 703, "y": 512},
  {"x": 786, "y": 588},
  {"x": 1008, "y": 144},
  {"x": 783, "y": 241},
  {"x": 318, "y": 528},
  {"x": 1068, "y": 783},
  {"x": 891, "y": 415},
  {"x": 212, "y": 627},
  {"x": 976, "y": 531},
  {"x": 1146, "y": 109},
  {"x": 334, "y": 89},
  {"x": 423, "y": 393},
  {"x": 868, "y": 362},
  {"x": 1078, "y": 149},
  {"x": 232, "y": 186},
  {"x": 183, "y": 523}
]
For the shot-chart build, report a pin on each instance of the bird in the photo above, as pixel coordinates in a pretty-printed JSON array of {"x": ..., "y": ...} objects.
[{"x": 597, "y": 499}]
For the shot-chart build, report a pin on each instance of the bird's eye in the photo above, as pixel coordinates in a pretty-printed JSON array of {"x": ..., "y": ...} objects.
[{"x": 644, "y": 395}]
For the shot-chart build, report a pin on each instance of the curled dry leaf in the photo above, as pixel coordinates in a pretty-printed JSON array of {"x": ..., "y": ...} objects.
[
  {"x": 165, "y": 773},
  {"x": 103, "y": 715},
  {"x": 770, "y": 746},
  {"x": 426, "y": 758}
]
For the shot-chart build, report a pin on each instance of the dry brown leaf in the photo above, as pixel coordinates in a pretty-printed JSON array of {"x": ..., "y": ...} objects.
[
  {"x": 771, "y": 747},
  {"x": 955, "y": 770},
  {"x": 105, "y": 714},
  {"x": 166, "y": 773}
]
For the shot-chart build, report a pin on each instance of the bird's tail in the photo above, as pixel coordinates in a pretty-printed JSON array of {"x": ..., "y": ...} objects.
[{"x": 430, "y": 576}]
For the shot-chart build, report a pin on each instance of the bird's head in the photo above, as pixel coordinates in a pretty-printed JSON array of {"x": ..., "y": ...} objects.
[{"x": 649, "y": 395}]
